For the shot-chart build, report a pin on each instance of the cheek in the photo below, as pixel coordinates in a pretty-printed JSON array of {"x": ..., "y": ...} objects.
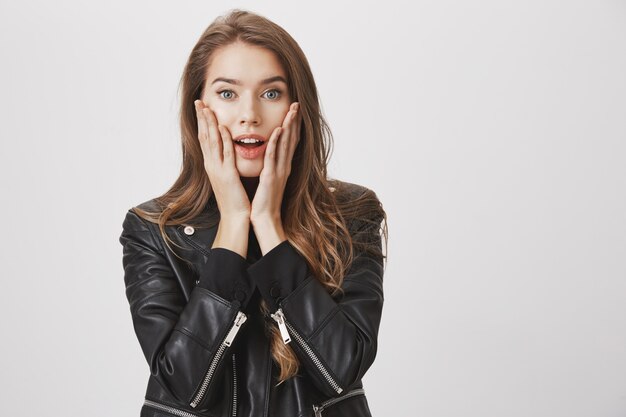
[
  {"x": 212, "y": 102},
  {"x": 221, "y": 114},
  {"x": 280, "y": 117}
]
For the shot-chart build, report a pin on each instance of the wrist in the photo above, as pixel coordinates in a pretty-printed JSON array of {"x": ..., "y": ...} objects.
[
  {"x": 269, "y": 235},
  {"x": 235, "y": 220},
  {"x": 232, "y": 234},
  {"x": 266, "y": 220}
]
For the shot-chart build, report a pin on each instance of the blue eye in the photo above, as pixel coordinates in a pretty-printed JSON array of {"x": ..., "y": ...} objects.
[
  {"x": 278, "y": 92},
  {"x": 224, "y": 91}
]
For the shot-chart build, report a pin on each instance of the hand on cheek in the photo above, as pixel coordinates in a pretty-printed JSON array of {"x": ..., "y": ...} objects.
[
  {"x": 219, "y": 163},
  {"x": 265, "y": 207}
]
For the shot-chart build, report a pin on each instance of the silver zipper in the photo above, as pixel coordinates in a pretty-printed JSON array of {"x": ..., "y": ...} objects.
[
  {"x": 234, "y": 387},
  {"x": 279, "y": 317},
  {"x": 167, "y": 408},
  {"x": 283, "y": 325},
  {"x": 317, "y": 409},
  {"x": 239, "y": 320}
]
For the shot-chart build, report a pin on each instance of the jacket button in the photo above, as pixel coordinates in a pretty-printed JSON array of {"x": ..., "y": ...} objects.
[
  {"x": 275, "y": 291},
  {"x": 189, "y": 230},
  {"x": 240, "y": 295}
]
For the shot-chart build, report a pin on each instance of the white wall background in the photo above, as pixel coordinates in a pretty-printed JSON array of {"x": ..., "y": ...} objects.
[{"x": 494, "y": 132}]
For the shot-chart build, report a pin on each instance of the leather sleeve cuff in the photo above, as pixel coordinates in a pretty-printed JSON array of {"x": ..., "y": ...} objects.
[
  {"x": 225, "y": 275},
  {"x": 279, "y": 273}
]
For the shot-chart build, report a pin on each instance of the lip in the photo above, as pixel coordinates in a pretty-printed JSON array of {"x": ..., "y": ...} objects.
[
  {"x": 250, "y": 153},
  {"x": 250, "y": 135}
]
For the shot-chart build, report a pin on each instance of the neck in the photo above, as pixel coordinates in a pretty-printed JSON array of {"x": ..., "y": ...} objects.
[{"x": 250, "y": 184}]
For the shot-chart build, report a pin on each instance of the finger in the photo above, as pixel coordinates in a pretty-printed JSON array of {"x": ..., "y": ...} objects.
[
  {"x": 227, "y": 145},
  {"x": 215, "y": 143},
  {"x": 285, "y": 137},
  {"x": 203, "y": 128},
  {"x": 296, "y": 136},
  {"x": 269, "y": 162},
  {"x": 281, "y": 147}
]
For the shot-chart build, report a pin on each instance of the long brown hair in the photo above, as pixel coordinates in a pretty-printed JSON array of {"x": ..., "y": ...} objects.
[{"x": 316, "y": 219}]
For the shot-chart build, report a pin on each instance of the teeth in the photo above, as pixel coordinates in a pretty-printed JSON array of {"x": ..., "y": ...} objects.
[{"x": 249, "y": 140}]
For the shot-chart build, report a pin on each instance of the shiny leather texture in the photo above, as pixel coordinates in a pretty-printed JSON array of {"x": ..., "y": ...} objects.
[{"x": 184, "y": 315}]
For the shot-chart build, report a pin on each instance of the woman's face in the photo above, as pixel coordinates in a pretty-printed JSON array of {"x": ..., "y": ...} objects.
[{"x": 244, "y": 101}]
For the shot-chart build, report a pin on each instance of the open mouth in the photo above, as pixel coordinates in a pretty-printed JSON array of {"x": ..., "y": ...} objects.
[
  {"x": 249, "y": 143},
  {"x": 250, "y": 150}
]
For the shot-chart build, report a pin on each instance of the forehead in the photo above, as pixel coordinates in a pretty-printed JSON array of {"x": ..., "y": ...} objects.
[{"x": 241, "y": 61}]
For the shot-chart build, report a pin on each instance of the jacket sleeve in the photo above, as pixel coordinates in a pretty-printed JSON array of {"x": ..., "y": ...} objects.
[
  {"x": 184, "y": 341},
  {"x": 235, "y": 284},
  {"x": 335, "y": 339}
]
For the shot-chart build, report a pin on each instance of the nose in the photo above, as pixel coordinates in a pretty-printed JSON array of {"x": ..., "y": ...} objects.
[{"x": 249, "y": 113}]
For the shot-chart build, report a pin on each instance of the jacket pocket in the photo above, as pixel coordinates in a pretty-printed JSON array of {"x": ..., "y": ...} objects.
[
  {"x": 319, "y": 408},
  {"x": 169, "y": 409},
  {"x": 228, "y": 339},
  {"x": 286, "y": 330},
  {"x": 234, "y": 412}
]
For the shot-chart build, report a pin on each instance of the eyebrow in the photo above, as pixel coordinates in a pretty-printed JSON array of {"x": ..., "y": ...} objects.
[{"x": 237, "y": 82}]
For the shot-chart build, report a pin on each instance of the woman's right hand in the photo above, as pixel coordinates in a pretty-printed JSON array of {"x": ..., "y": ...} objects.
[{"x": 219, "y": 163}]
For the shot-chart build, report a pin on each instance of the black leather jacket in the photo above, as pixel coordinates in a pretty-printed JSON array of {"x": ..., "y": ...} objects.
[{"x": 201, "y": 331}]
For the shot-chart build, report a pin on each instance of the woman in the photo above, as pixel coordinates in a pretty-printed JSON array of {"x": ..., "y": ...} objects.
[{"x": 255, "y": 282}]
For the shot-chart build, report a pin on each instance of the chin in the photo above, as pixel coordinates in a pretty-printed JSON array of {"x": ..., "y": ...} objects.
[{"x": 249, "y": 168}]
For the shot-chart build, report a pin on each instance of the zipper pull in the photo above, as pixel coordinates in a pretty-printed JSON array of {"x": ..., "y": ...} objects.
[
  {"x": 279, "y": 317},
  {"x": 239, "y": 320},
  {"x": 317, "y": 410}
]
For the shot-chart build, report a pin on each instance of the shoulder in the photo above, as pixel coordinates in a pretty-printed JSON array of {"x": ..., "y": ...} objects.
[
  {"x": 347, "y": 192},
  {"x": 358, "y": 204},
  {"x": 364, "y": 217},
  {"x": 134, "y": 220},
  {"x": 151, "y": 205}
]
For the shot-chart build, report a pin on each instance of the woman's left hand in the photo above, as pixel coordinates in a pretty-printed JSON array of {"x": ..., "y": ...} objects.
[{"x": 266, "y": 204}]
